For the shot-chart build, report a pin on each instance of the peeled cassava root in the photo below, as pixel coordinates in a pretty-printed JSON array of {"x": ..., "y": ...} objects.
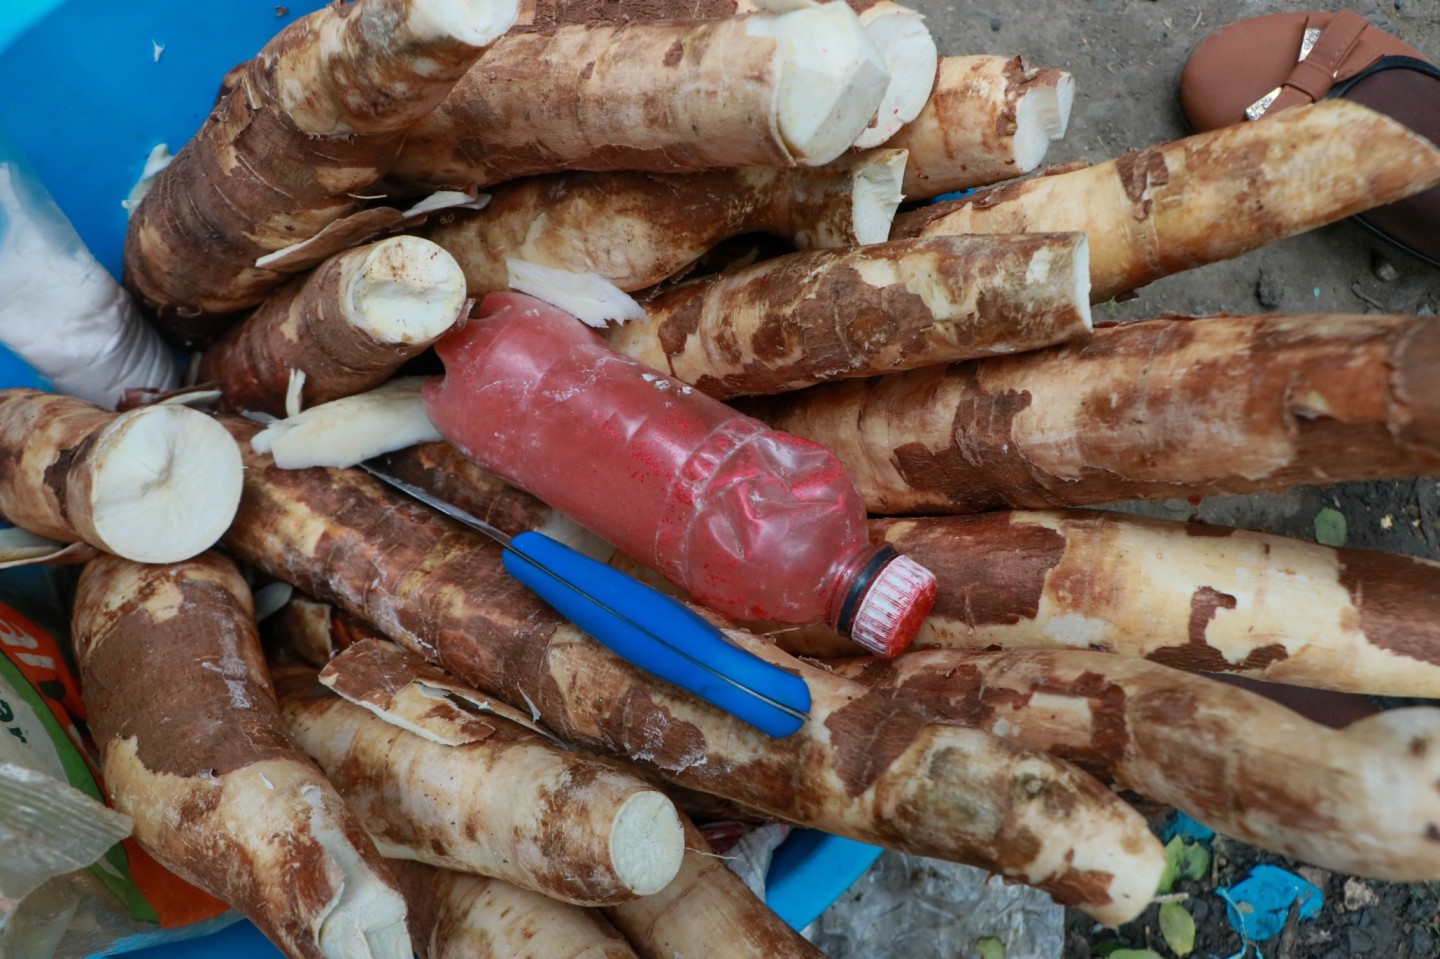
[
  {"x": 314, "y": 119},
  {"x": 1160, "y": 408},
  {"x": 863, "y": 766},
  {"x": 1209, "y": 197},
  {"x": 988, "y": 119},
  {"x": 769, "y": 89},
  {"x": 1364, "y": 799},
  {"x": 414, "y": 763},
  {"x": 1186, "y": 595},
  {"x": 802, "y": 319},
  {"x": 347, "y": 327},
  {"x": 193, "y": 748},
  {"x": 156, "y": 484},
  {"x": 707, "y": 904},
  {"x": 636, "y": 229},
  {"x": 458, "y": 916}
]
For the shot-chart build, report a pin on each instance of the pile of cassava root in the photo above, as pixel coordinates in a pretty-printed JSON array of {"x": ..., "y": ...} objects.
[{"x": 430, "y": 758}]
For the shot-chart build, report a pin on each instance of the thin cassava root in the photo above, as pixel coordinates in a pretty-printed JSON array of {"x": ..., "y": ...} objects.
[
  {"x": 1364, "y": 799},
  {"x": 988, "y": 119},
  {"x": 193, "y": 749},
  {"x": 1159, "y": 408},
  {"x": 636, "y": 229},
  {"x": 410, "y": 761},
  {"x": 310, "y": 123},
  {"x": 346, "y": 327},
  {"x": 855, "y": 768},
  {"x": 806, "y": 318},
  {"x": 1210, "y": 197},
  {"x": 156, "y": 484}
]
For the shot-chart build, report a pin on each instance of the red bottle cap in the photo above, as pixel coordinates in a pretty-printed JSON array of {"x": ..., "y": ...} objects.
[{"x": 894, "y": 607}]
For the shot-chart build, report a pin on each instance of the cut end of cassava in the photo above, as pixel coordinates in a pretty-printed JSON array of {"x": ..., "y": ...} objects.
[
  {"x": 1054, "y": 98},
  {"x": 347, "y": 431},
  {"x": 832, "y": 79},
  {"x": 476, "y": 22},
  {"x": 406, "y": 290},
  {"x": 910, "y": 55},
  {"x": 878, "y": 195},
  {"x": 1034, "y": 120},
  {"x": 647, "y": 842},
  {"x": 161, "y": 485},
  {"x": 589, "y": 297},
  {"x": 1082, "y": 280},
  {"x": 366, "y": 919}
]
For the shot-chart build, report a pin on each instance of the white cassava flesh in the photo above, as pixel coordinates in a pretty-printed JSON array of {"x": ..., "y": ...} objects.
[
  {"x": 405, "y": 290},
  {"x": 878, "y": 194},
  {"x": 832, "y": 79},
  {"x": 346, "y": 431},
  {"x": 589, "y": 297},
  {"x": 910, "y": 55},
  {"x": 164, "y": 484}
]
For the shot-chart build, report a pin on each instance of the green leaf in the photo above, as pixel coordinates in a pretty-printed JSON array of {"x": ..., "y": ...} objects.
[
  {"x": 1106, "y": 948},
  {"x": 990, "y": 948},
  {"x": 1330, "y": 527},
  {"x": 1178, "y": 928},
  {"x": 1195, "y": 862},
  {"x": 1135, "y": 954}
]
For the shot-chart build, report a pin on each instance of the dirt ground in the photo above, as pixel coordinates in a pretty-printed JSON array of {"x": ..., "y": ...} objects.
[{"x": 1126, "y": 57}]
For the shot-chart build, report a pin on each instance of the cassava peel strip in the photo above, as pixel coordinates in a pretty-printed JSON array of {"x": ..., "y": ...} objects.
[
  {"x": 1209, "y": 197},
  {"x": 316, "y": 117},
  {"x": 193, "y": 748},
  {"x": 349, "y": 326},
  {"x": 636, "y": 229},
  {"x": 460, "y": 916},
  {"x": 555, "y": 823},
  {"x": 806, "y": 318},
  {"x": 156, "y": 484},
  {"x": 863, "y": 766},
  {"x": 1361, "y": 800},
  {"x": 1187, "y": 595},
  {"x": 988, "y": 119},
  {"x": 647, "y": 96},
  {"x": 705, "y": 905},
  {"x": 1154, "y": 409}
]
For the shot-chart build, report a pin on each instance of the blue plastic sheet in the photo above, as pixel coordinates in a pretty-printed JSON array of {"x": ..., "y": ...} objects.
[{"x": 1258, "y": 906}]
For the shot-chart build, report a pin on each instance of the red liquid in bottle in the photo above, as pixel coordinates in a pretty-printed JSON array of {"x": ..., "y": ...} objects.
[{"x": 752, "y": 522}]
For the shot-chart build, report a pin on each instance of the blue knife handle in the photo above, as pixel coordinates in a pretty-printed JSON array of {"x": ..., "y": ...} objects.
[{"x": 683, "y": 632}]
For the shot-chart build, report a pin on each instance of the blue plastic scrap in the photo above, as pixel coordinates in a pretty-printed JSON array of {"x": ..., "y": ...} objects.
[
  {"x": 1258, "y": 906},
  {"x": 1182, "y": 825}
]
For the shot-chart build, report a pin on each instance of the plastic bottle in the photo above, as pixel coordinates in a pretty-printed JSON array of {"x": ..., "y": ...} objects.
[{"x": 752, "y": 522}]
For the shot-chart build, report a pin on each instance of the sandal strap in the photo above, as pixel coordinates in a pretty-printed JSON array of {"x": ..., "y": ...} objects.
[{"x": 1315, "y": 75}]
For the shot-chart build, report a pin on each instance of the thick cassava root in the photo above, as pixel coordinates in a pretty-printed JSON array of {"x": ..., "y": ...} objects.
[
  {"x": 458, "y": 916},
  {"x": 1160, "y": 408},
  {"x": 316, "y": 118},
  {"x": 347, "y": 327},
  {"x": 1363, "y": 800},
  {"x": 636, "y": 229},
  {"x": 1210, "y": 197},
  {"x": 769, "y": 89},
  {"x": 802, "y": 319},
  {"x": 989, "y": 119},
  {"x": 193, "y": 749},
  {"x": 156, "y": 484},
  {"x": 863, "y": 765},
  {"x": 549, "y": 821},
  {"x": 1187, "y": 595}
]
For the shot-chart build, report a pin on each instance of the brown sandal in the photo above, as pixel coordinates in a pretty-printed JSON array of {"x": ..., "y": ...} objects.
[{"x": 1257, "y": 67}]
